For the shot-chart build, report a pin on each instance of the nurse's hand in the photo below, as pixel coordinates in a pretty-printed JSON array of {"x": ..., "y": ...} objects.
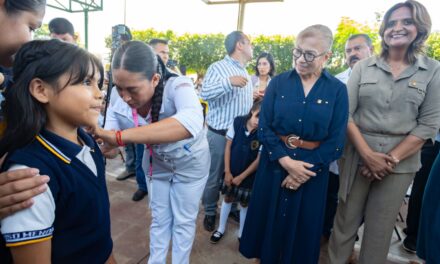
[
  {"x": 297, "y": 168},
  {"x": 106, "y": 136},
  {"x": 17, "y": 189},
  {"x": 109, "y": 152}
]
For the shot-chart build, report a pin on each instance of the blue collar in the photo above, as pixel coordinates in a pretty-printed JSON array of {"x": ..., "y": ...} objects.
[{"x": 61, "y": 147}]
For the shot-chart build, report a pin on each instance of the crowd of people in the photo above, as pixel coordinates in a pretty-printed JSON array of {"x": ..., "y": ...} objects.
[{"x": 301, "y": 158}]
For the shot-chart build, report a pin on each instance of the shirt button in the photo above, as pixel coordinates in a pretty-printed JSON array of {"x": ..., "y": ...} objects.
[
  {"x": 282, "y": 96},
  {"x": 294, "y": 154},
  {"x": 285, "y": 200},
  {"x": 284, "y": 214},
  {"x": 270, "y": 153},
  {"x": 304, "y": 102},
  {"x": 299, "y": 120},
  {"x": 337, "y": 149},
  {"x": 387, "y": 101}
]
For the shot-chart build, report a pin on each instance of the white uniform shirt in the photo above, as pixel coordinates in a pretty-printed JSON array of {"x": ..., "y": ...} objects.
[{"x": 179, "y": 102}]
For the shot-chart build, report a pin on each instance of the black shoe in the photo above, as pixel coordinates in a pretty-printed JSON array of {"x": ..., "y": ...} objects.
[
  {"x": 139, "y": 195},
  {"x": 409, "y": 245},
  {"x": 235, "y": 216},
  {"x": 215, "y": 237},
  {"x": 209, "y": 223}
]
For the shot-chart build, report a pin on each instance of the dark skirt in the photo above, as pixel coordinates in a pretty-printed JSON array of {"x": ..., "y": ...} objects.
[
  {"x": 428, "y": 244},
  {"x": 241, "y": 193},
  {"x": 282, "y": 225}
]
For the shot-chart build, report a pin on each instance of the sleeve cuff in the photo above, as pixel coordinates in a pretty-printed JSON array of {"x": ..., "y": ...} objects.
[
  {"x": 424, "y": 132},
  {"x": 276, "y": 154},
  {"x": 28, "y": 237},
  {"x": 189, "y": 122}
]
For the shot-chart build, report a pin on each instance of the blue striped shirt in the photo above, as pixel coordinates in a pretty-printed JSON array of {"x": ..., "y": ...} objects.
[{"x": 225, "y": 102}]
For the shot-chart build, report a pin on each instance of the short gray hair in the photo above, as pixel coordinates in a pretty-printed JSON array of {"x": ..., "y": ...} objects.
[{"x": 318, "y": 31}]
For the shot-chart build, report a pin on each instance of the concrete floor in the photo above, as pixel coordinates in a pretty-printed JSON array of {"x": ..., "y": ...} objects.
[{"x": 130, "y": 221}]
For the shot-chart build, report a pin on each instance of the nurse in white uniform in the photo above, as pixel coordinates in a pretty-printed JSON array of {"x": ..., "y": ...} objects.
[{"x": 161, "y": 110}]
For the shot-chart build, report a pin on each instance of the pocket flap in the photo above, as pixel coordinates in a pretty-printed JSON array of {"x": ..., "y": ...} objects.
[
  {"x": 419, "y": 85},
  {"x": 368, "y": 81}
]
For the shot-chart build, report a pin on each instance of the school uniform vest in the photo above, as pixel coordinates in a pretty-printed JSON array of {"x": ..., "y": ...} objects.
[
  {"x": 244, "y": 150},
  {"x": 82, "y": 217}
]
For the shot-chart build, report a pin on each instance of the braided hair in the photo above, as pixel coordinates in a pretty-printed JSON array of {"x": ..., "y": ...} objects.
[
  {"x": 138, "y": 57},
  {"x": 47, "y": 60}
]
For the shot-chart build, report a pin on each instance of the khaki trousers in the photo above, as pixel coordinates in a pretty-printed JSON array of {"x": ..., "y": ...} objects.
[{"x": 378, "y": 203}]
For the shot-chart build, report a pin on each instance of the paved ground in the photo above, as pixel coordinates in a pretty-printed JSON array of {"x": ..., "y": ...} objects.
[{"x": 130, "y": 221}]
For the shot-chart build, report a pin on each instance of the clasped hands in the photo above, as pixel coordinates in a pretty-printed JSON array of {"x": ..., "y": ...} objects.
[
  {"x": 231, "y": 180},
  {"x": 378, "y": 165},
  {"x": 298, "y": 172}
]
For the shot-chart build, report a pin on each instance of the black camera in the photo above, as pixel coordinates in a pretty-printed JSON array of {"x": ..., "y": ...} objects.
[{"x": 171, "y": 63}]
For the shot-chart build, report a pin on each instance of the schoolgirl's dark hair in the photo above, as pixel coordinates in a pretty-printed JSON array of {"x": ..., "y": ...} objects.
[
  {"x": 271, "y": 61},
  {"x": 17, "y": 6},
  {"x": 256, "y": 106},
  {"x": 138, "y": 57},
  {"x": 47, "y": 60}
]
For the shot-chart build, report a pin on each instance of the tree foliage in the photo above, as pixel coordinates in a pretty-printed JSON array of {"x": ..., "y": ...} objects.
[
  {"x": 433, "y": 46},
  {"x": 279, "y": 46},
  {"x": 42, "y": 32},
  {"x": 198, "y": 51},
  {"x": 345, "y": 29}
]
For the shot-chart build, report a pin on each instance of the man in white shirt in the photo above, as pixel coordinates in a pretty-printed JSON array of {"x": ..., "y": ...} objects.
[
  {"x": 357, "y": 47},
  {"x": 227, "y": 89}
]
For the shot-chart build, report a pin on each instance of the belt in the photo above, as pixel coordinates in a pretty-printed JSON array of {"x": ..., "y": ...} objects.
[
  {"x": 221, "y": 132},
  {"x": 293, "y": 141}
]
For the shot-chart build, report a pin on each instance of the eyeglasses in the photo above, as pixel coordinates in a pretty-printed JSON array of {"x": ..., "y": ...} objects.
[{"x": 308, "y": 56}]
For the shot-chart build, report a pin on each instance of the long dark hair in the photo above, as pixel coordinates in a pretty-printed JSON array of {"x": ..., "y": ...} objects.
[
  {"x": 138, "y": 57},
  {"x": 271, "y": 61},
  {"x": 17, "y": 6},
  {"x": 47, "y": 60}
]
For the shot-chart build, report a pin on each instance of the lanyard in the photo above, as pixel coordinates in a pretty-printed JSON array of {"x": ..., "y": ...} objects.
[{"x": 136, "y": 123}]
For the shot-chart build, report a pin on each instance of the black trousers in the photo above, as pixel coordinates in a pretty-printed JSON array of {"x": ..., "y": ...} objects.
[{"x": 428, "y": 155}]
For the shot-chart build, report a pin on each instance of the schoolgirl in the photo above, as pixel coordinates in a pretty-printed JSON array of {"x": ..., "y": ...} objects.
[
  {"x": 241, "y": 162},
  {"x": 56, "y": 92}
]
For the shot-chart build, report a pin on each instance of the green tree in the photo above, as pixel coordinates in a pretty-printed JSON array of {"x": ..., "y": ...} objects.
[
  {"x": 279, "y": 46},
  {"x": 345, "y": 29},
  {"x": 198, "y": 51},
  {"x": 433, "y": 46},
  {"x": 42, "y": 32},
  {"x": 148, "y": 34}
]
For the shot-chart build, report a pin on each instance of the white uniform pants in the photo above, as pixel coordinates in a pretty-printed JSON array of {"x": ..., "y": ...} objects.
[{"x": 174, "y": 208}]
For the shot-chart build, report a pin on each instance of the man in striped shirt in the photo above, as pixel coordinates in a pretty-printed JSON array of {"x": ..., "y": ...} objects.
[{"x": 228, "y": 90}]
